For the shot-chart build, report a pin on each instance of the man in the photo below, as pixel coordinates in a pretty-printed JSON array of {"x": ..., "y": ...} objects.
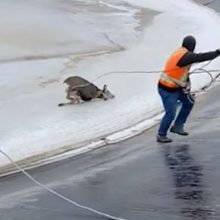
[{"x": 174, "y": 85}]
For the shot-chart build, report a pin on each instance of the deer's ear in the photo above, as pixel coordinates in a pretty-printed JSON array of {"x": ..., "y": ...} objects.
[{"x": 104, "y": 88}]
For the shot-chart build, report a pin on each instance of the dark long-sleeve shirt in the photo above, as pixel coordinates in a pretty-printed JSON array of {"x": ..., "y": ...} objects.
[{"x": 190, "y": 58}]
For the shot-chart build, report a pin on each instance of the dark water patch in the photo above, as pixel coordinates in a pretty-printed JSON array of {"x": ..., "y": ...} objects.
[{"x": 189, "y": 189}]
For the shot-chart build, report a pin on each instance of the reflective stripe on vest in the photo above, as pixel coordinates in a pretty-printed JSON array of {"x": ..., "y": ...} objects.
[{"x": 174, "y": 76}]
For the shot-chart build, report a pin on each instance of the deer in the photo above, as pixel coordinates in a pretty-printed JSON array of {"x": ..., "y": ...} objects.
[{"x": 81, "y": 90}]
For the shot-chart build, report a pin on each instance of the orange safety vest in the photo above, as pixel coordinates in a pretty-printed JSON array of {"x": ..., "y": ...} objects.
[{"x": 174, "y": 76}]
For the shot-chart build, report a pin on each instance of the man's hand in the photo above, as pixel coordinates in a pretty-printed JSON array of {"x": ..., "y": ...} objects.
[{"x": 187, "y": 88}]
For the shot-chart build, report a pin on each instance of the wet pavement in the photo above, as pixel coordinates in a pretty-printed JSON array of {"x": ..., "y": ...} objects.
[
  {"x": 135, "y": 179},
  {"x": 214, "y": 4}
]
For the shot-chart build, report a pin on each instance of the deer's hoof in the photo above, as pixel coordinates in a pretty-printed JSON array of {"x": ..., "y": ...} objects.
[{"x": 61, "y": 104}]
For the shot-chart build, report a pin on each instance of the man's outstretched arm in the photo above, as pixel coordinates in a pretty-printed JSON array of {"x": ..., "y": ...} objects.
[{"x": 190, "y": 57}]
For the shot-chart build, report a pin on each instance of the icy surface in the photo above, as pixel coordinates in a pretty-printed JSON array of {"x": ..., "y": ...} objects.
[{"x": 44, "y": 41}]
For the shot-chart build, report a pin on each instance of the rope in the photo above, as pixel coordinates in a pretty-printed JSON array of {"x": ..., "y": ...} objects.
[
  {"x": 110, "y": 217},
  {"x": 203, "y": 70},
  {"x": 195, "y": 71},
  {"x": 210, "y": 75}
]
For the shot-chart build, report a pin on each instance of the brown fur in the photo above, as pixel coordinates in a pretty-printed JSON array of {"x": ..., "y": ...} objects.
[{"x": 80, "y": 90}]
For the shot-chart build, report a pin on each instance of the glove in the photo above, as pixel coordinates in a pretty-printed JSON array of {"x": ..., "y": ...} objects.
[
  {"x": 187, "y": 88},
  {"x": 191, "y": 98},
  {"x": 218, "y": 51}
]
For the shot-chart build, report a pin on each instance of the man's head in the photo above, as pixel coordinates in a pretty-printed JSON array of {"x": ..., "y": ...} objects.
[{"x": 189, "y": 42}]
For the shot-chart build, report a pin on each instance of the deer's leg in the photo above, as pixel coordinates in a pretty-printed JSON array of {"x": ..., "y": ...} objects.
[
  {"x": 73, "y": 96},
  {"x": 69, "y": 94},
  {"x": 66, "y": 103}
]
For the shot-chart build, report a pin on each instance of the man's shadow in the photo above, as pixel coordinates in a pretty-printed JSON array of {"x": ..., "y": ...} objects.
[{"x": 188, "y": 185}]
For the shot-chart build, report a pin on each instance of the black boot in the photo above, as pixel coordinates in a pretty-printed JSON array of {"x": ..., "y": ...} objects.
[
  {"x": 163, "y": 139},
  {"x": 178, "y": 130}
]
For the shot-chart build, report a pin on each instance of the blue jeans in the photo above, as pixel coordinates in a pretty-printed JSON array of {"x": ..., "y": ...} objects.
[{"x": 169, "y": 100}]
